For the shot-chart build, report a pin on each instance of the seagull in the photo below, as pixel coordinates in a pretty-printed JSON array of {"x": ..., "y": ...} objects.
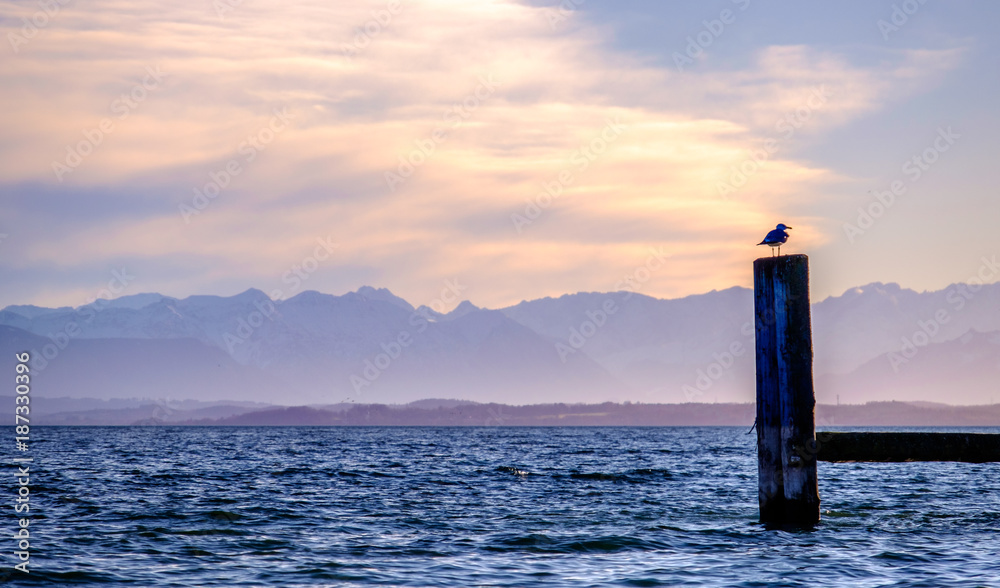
[{"x": 776, "y": 237}]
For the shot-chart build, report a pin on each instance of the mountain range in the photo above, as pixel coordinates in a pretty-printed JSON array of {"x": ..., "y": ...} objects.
[{"x": 877, "y": 342}]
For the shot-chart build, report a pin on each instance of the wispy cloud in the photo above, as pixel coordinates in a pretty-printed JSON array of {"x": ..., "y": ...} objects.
[{"x": 356, "y": 114}]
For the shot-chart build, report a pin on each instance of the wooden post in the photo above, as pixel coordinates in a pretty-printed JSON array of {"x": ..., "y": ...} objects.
[
  {"x": 967, "y": 447},
  {"x": 786, "y": 445}
]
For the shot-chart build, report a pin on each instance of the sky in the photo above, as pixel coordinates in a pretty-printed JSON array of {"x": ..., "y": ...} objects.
[{"x": 508, "y": 150}]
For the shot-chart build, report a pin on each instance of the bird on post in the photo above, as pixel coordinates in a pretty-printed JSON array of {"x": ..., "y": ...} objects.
[{"x": 775, "y": 238}]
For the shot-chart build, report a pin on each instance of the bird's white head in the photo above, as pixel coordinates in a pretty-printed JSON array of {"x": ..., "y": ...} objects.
[{"x": 782, "y": 227}]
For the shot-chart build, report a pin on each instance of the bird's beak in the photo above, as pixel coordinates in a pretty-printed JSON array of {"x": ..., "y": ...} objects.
[{"x": 788, "y": 227}]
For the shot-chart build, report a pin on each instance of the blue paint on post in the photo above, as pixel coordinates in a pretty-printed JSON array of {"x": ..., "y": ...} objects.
[{"x": 786, "y": 464}]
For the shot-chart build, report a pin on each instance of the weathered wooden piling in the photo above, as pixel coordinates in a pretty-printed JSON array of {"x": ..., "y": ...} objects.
[{"x": 788, "y": 491}]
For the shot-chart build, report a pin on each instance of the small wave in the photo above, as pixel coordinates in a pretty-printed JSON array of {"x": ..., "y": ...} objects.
[
  {"x": 835, "y": 514},
  {"x": 266, "y": 546},
  {"x": 651, "y": 472},
  {"x": 636, "y": 476},
  {"x": 209, "y": 532},
  {"x": 542, "y": 543},
  {"x": 531, "y": 541},
  {"x": 513, "y": 471},
  {"x": 221, "y": 500},
  {"x": 384, "y": 475},
  {"x": 292, "y": 471},
  {"x": 598, "y": 476},
  {"x": 224, "y": 515},
  {"x": 904, "y": 557},
  {"x": 612, "y": 544},
  {"x": 43, "y": 577},
  {"x": 152, "y": 516}
]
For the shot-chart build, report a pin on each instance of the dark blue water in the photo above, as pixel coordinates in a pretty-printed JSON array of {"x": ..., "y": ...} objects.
[{"x": 480, "y": 507}]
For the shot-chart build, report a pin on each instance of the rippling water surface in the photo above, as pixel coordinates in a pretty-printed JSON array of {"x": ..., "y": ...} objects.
[{"x": 490, "y": 506}]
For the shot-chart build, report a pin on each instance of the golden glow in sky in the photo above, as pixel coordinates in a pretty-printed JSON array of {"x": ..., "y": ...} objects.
[{"x": 524, "y": 150}]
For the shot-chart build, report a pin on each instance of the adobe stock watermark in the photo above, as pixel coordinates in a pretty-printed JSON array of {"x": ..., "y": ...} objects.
[
  {"x": 372, "y": 28},
  {"x": 785, "y": 129},
  {"x": 246, "y": 325},
  {"x": 597, "y": 318},
  {"x": 453, "y": 117},
  {"x": 300, "y": 272},
  {"x": 249, "y": 149},
  {"x": 900, "y": 15},
  {"x": 711, "y": 31},
  {"x": 579, "y": 160},
  {"x": 293, "y": 278},
  {"x": 496, "y": 416},
  {"x": 957, "y": 297},
  {"x": 392, "y": 350},
  {"x": 160, "y": 413},
  {"x": 224, "y": 7},
  {"x": 913, "y": 169},
  {"x": 561, "y": 12},
  {"x": 809, "y": 452},
  {"x": 122, "y": 107},
  {"x": 723, "y": 362},
  {"x": 119, "y": 282},
  {"x": 726, "y": 359},
  {"x": 33, "y": 25}
]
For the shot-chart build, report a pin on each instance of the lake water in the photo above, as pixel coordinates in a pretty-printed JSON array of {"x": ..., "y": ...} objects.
[{"x": 491, "y": 506}]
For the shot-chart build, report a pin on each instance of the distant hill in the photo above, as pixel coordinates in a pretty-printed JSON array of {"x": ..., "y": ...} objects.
[
  {"x": 128, "y": 411},
  {"x": 371, "y": 346},
  {"x": 960, "y": 371},
  {"x": 108, "y": 368},
  {"x": 613, "y": 414},
  {"x": 64, "y": 411}
]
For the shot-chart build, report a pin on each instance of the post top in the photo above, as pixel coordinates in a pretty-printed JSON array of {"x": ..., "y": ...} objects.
[{"x": 795, "y": 258}]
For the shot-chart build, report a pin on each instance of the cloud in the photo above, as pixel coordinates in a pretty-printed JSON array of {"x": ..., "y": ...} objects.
[{"x": 494, "y": 105}]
